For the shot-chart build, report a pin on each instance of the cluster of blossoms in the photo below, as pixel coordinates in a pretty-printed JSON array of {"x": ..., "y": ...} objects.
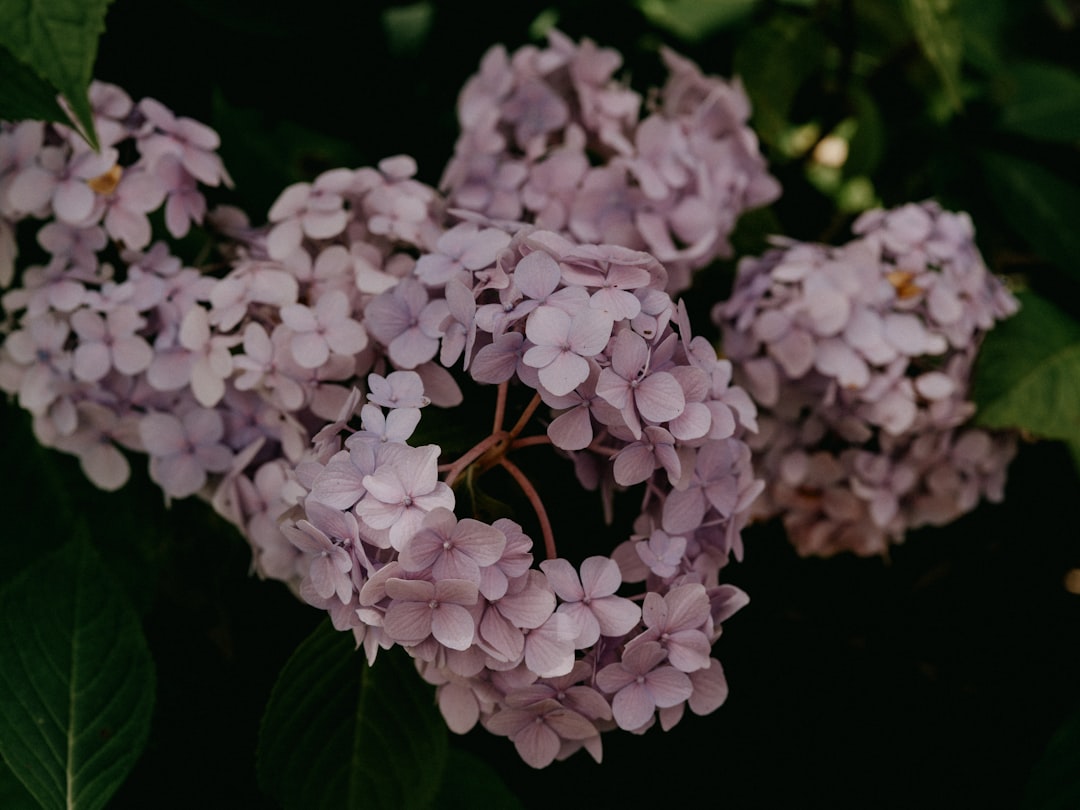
[
  {"x": 860, "y": 359},
  {"x": 549, "y": 657},
  {"x": 285, "y": 386},
  {"x": 551, "y": 138},
  {"x": 239, "y": 384},
  {"x": 95, "y": 335}
]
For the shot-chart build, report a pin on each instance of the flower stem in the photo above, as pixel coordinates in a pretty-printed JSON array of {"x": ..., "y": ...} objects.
[
  {"x": 537, "y": 505},
  {"x": 455, "y": 469},
  {"x": 523, "y": 420},
  {"x": 500, "y": 406},
  {"x": 529, "y": 441}
]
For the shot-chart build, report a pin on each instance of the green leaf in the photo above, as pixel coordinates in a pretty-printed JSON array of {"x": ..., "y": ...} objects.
[
  {"x": 1028, "y": 373},
  {"x": 1040, "y": 206},
  {"x": 76, "y": 680},
  {"x": 469, "y": 782},
  {"x": 695, "y": 20},
  {"x": 407, "y": 27},
  {"x": 984, "y": 24},
  {"x": 13, "y": 796},
  {"x": 940, "y": 37},
  {"x": 1042, "y": 101},
  {"x": 58, "y": 39},
  {"x": 773, "y": 61},
  {"x": 867, "y": 144},
  {"x": 1055, "y": 780},
  {"x": 24, "y": 94},
  {"x": 337, "y": 733}
]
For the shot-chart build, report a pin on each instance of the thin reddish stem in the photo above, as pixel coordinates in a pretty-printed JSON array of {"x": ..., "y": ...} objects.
[
  {"x": 500, "y": 406},
  {"x": 455, "y": 469},
  {"x": 537, "y": 505},
  {"x": 523, "y": 420},
  {"x": 529, "y": 441},
  {"x": 599, "y": 449}
]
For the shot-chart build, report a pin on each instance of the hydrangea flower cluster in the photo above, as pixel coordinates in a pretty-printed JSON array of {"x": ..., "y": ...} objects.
[
  {"x": 860, "y": 358},
  {"x": 286, "y": 387},
  {"x": 239, "y": 386},
  {"x": 550, "y": 137},
  {"x": 553, "y": 656},
  {"x": 111, "y": 343},
  {"x": 96, "y": 335}
]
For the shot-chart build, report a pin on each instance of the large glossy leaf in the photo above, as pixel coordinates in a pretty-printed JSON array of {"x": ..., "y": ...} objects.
[
  {"x": 76, "y": 680},
  {"x": 1028, "y": 373},
  {"x": 1041, "y": 207},
  {"x": 339, "y": 734},
  {"x": 58, "y": 40},
  {"x": 1042, "y": 101},
  {"x": 24, "y": 94}
]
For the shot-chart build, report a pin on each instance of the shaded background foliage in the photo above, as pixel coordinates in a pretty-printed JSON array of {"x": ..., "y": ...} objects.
[{"x": 936, "y": 677}]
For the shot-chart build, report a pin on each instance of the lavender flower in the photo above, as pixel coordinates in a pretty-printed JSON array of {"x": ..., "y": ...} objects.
[{"x": 861, "y": 358}]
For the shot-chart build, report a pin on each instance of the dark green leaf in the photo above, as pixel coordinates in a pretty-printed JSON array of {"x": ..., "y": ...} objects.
[
  {"x": 1028, "y": 373},
  {"x": 1042, "y": 101},
  {"x": 76, "y": 680},
  {"x": 24, "y": 94},
  {"x": 1055, "y": 780},
  {"x": 940, "y": 37},
  {"x": 773, "y": 61},
  {"x": 1041, "y": 207},
  {"x": 126, "y": 527},
  {"x": 469, "y": 782},
  {"x": 694, "y": 20},
  {"x": 983, "y": 24},
  {"x": 337, "y": 733},
  {"x": 58, "y": 40},
  {"x": 867, "y": 144},
  {"x": 13, "y": 796}
]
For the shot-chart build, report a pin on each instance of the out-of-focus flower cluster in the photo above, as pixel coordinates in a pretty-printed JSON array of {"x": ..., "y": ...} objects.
[
  {"x": 860, "y": 358},
  {"x": 550, "y": 137}
]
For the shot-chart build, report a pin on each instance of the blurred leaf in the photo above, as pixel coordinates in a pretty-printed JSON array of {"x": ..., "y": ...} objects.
[
  {"x": 1039, "y": 205},
  {"x": 76, "y": 680},
  {"x": 773, "y": 61},
  {"x": 263, "y": 158},
  {"x": 407, "y": 27},
  {"x": 1064, "y": 16},
  {"x": 469, "y": 782},
  {"x": 1055, "y": 780},
  {"x": 58, "y": 40},
  {"x": 1028, "y": 373},
  {"x": 695, "y": 20},
  {"x": 1042, "y": 101},
  {"x": 867, "y": 143},
  {"x": 337, "y": 733},
  {"x": 983, "y": 25},
  {"x": 940, "y": 36},
  {"x": 24, "y": 94}
]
